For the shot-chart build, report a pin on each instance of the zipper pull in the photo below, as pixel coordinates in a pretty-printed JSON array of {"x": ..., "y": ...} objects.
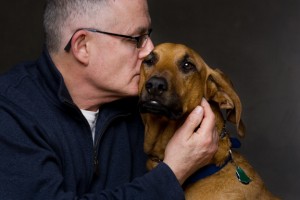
[{"x": 96, "y": 166}]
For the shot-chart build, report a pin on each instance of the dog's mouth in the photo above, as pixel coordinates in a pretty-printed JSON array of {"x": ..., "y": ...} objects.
[{"x": 157, "y": 108}]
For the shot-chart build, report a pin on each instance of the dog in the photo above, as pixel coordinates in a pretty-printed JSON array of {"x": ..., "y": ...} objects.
[{"x": 173, "y": 80}]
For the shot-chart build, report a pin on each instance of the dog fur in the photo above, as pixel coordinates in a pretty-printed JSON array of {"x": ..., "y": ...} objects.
[{"x": 174, "y": 79}]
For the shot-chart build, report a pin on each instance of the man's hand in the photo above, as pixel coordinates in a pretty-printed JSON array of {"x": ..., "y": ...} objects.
[{"x": 191, "y": 148}]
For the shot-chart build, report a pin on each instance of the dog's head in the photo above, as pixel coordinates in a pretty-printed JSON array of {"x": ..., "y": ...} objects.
[{"x": 174, "y": 79}]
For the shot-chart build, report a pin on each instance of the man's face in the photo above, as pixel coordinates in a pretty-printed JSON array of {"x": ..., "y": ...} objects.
[{"x": 115, "y": 64}]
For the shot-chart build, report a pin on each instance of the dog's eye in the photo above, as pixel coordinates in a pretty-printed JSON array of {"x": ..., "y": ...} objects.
[
  {"x": 187, "y": 66},
  {"x": 150, "y": 60}
]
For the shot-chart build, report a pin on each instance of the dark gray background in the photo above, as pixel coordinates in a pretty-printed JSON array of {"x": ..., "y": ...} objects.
[{"x": 255, "y": 42}]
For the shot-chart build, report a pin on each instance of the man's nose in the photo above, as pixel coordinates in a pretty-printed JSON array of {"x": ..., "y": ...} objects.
[{"x": 149, "y": 46}]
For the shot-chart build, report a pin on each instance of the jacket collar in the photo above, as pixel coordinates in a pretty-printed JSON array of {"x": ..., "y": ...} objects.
[{"x": 53, "y": 79}]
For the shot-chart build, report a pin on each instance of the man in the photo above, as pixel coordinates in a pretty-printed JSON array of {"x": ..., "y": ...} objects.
[{"x": 69, "y": 126}]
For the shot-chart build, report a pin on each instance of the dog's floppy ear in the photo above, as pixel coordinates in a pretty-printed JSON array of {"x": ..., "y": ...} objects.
[{"x": 220, "y": 90}]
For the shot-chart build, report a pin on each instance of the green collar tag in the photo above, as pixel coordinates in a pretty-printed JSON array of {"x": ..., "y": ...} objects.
[{"x": 242, "y": 176}]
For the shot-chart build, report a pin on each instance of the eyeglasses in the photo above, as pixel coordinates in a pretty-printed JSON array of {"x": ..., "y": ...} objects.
[{"x": 140, "y": 40}]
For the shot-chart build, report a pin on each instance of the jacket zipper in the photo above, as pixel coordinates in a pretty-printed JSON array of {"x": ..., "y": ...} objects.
[
  {"x": 95, "y": 160},
  {"x": 96, "y": 146}
]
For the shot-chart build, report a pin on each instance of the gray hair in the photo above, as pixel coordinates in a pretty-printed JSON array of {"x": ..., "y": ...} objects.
[{"x": 62, "y": 16}]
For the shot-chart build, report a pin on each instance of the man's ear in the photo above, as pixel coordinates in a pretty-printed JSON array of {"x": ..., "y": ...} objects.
[
  {"x": 220, "y": 90},
  {"x": 79, "y": 47}
]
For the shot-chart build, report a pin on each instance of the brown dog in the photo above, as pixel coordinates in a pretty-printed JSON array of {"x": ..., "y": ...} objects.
[{"x": 174, "y": 78}]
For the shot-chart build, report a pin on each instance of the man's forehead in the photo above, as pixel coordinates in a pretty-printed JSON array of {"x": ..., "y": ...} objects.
[{"x": 131, "y": 16}]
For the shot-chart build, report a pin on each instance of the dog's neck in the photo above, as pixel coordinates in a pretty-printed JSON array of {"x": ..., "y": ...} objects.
[{"x": 159, "y": 130}]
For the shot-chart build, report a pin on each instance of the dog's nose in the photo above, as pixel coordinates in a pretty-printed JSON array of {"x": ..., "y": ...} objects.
[{"x": 156, "y": 85}]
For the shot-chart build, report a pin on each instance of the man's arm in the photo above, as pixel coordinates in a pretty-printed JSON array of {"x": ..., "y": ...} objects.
[{"x": 31, "y": 169}]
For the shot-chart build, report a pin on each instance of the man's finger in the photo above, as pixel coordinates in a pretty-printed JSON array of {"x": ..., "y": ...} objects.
[
  {"x": 192, "y": 122},
  {"x": 208, "y": 122}
]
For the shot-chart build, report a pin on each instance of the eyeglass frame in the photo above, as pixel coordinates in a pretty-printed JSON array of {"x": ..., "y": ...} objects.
[{"x": 138, "y": 39}]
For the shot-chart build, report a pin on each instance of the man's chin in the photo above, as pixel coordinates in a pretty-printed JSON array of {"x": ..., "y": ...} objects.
[
  {"x": 131, "y": 92},
  {"x": 133, "y": 89}
]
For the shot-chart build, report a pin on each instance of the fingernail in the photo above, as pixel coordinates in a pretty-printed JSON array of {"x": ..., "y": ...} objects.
[{"x": 198, "y": 110}]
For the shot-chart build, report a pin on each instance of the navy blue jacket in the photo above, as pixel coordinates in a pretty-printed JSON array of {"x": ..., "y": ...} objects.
[{"x": 47, "y": 151}]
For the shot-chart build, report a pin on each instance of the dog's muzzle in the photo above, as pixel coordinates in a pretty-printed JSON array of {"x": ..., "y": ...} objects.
[
  {"x": 157, "y": 99},
  {"x": 156, "y": 86},
  {"x": 155, "y": 107}
]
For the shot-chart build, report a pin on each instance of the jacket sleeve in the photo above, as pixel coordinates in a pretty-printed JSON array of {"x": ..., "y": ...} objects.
[
  {"x": 30, "y": 169},
  {"x": 160, "y": 183}
]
